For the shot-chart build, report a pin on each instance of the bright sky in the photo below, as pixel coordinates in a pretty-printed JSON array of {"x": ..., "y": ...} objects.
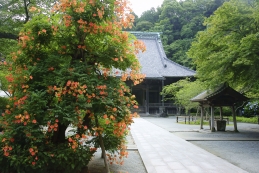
[{"x": 140, "y": 6}]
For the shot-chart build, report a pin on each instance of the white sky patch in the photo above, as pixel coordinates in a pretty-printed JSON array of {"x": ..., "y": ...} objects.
[{"x": 140, "y": 6}]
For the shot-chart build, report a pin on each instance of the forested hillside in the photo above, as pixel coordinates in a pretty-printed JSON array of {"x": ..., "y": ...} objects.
[{"x": 179, "y": 21}]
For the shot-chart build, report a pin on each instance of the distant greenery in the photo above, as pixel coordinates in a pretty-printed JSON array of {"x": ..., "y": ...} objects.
[
  {"x": 179, "y": 21},
  {"x": 245, "y": 119},
  {"x": 227, "y": 51},
  {"x": 253, "y": 120},
  {"x": 217, "y": 38},
  {"x": 182, "y": 92}
]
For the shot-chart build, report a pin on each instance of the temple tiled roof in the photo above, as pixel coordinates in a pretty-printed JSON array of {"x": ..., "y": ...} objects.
[{"x": 154, "y": 62}]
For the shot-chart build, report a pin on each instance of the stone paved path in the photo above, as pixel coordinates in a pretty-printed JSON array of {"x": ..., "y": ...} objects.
[{"x": 163, "y": 152}]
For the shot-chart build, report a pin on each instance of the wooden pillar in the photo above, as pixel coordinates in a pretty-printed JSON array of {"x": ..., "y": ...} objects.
[
  {"x": 220, "y": 112},
  {"x": 147, "y": 99},
  {"x": 234, "y": 118},
  {"x": 202, "y": 114},
  {"x": 160, "y": 97},
  {"x": 163, "y": 103},
  {"x": 212, "y": 125},
  {"x": 143, "y": 98}
]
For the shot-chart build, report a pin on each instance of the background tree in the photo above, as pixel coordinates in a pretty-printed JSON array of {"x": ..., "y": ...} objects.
[
  {"x": 182, "y": 92},
  {"x": 151, "y": 15},
  {"x": 143, "y": 26},
  {"x": 179, "y": 22},
  {"x": 227, "y": 51},
  {"x": 147, "y": 19},
  {"x": 64, "y": 73},
  {"x": 13, "y": 15}
]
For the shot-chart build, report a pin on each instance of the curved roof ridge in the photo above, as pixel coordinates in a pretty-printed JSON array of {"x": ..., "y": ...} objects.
[
  {"x": 217, "y": 90},
  {"x": 155, "y": 59},
  {"x": 161, "y": 52},
  {"x": 179, "y": 65},
  {"x": 156, "y": 36},
  {"x": 146, "y": 35}
]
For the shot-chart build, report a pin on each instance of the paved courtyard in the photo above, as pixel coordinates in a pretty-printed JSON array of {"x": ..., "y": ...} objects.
[
  {"x": 160, "y": 145},
  {"x": 240, "y": 149}
]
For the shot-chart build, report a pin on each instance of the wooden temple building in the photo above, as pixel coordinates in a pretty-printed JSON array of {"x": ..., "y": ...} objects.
[
  {"x": 222, "y": 96},
  {"x": 159, "y": 71}
]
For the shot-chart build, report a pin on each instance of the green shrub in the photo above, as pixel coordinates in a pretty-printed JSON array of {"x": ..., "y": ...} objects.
[{"x": 245, "y": 119}]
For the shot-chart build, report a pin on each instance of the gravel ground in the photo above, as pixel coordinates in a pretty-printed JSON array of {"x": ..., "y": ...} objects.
[
  {"x": 132, "y": 164},
  {"x": 240, "y": 149},
  {"x": 244, "y": 154}
]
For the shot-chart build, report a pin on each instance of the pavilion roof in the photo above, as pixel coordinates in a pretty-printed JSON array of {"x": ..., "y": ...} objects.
[
  {"x": 154, "y": 62},
  {"x": 223, "y": 95}
]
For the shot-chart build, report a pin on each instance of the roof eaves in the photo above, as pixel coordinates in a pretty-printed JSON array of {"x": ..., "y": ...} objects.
[
  {"x": 186, "y": 68},
  {"x": 160, "y": 78},
  {"x": 200, "y": 97}
]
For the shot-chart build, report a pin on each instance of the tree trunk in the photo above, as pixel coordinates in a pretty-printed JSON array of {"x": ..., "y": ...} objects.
[
  {"x": 59, "y": 136},
  {"x": 102, "y": 147},
  {"x": 8, "y": 36}
]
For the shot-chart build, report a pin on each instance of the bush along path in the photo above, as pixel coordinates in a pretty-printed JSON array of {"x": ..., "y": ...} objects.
[{"x": 64, "y": 73}]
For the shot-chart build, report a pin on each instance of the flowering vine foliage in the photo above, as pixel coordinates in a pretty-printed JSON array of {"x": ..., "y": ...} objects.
[{"x": 65, "y": 77}]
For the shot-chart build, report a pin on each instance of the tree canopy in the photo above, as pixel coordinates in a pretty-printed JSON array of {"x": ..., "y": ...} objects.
[
  {"x": 13, "y": 15},
  {"x": 182, "y": 92},
  {"x": 179, "y": 22},
  {"x": 227, "y": 51}
]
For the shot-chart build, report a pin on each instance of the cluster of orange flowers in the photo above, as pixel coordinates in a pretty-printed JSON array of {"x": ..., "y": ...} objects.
[
  {"x": 102, "y": 90},
  {"x": 7, "y": 149},
  {"x": 53, "y": 127},
  {"x": 120, "y": 128},
  {"x": 23, "y": 39},
  {"x": 9, "y": 78},
  {"x": 73, "y": 143},
  {"x": 67, "y": 20},
  {"x": 79, "y": 7},
  {"x": 24, "y": 118},
  {"x": 98, "y": 130},
  {"x": 73, "y": 88},
  {"x": 139, "y": 46},
  {"x": 33, "y": 152},
  {"x": 136, "y": 77},
  {"x": 113, "y": 158},
  {"x": 20, "y": 101}
]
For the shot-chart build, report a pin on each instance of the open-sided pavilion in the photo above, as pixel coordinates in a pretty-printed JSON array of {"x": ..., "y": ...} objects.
[{"x": 223, "y": 96}]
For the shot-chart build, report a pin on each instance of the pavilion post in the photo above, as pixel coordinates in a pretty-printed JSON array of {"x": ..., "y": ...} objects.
[
  {"x": 212, "y": 120},
  {"x": 234, "y": 118},
  {"x": 220, "y": 111},
  {"x": 202, "y": 114}
]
